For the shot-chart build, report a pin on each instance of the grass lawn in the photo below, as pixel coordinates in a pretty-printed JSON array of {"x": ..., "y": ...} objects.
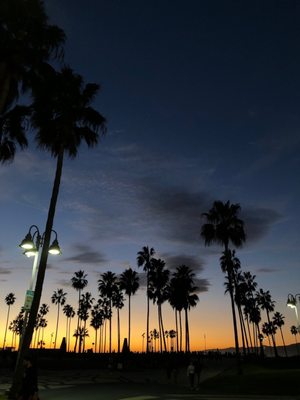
[{"x": 255, "y": 380}]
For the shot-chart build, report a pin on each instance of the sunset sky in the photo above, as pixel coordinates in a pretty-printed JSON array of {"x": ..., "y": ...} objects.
[{"x": 202, "y": 104}]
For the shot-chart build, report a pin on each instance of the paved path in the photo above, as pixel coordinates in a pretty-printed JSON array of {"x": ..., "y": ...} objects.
[{"x": 115, "y": 385}]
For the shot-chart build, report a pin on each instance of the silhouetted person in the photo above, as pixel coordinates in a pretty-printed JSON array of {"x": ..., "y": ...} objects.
[
  {"x": 191, "y": 374},
  {"x": 29, "y": 390}
]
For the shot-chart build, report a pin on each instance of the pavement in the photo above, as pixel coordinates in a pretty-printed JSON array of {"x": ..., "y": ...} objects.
[{"x": 123, "y": 385}]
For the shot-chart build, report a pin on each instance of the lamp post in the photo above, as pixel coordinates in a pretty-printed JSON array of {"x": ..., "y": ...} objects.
[
  {"x": 292, "y": 303},
  {"x": 31, "y": 245}
]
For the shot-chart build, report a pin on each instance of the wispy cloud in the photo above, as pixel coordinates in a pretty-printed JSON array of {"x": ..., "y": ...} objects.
[{"x": 85, "y": 254}]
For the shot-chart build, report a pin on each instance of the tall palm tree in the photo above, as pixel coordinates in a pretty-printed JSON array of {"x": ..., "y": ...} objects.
[
  {"x": 107, "y": 286},
  {"x": 79, "y": 282},
  {"x": 85, "y": 305},
  {"x": 58, "y": 298},
  {"x": 96, "y": 321},
  {"x": 27, "y": 43},
  {"x": 176, "y": 301},
  {"x": 278, "y": 320},
  {"x": 63, "y": 118},
  {"x": 266, "y": 303},
  {"x": 228, "y": 263},
  {"x": 69, "y": 312},
  {"x": 188, "y": 298},
  {"x": 158, "y": 293},
  {"x": 9, "y": 300},
  {"x": 118, "y": 303},
  {"x": 81, "y": 333},
  {"x": 144, "y": 260},
  {"x": 41, "y": 322},
  {"x": 223, "y": 226},
  {"x": 129, "y": 282}
]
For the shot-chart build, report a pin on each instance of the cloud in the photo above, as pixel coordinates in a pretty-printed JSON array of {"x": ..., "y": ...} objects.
[
  {"x": 172, "y": 262},
  {"x": 258, "y": 222},
  {"x": 4, "y": 271},
  {"x": 85, "y": 254},
  {"x": 267, "y": 270}
]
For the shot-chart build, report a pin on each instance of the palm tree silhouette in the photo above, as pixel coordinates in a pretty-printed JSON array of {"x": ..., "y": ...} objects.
[
  {"x": 9, "y": 300},
  {"x": 85, "y": 305},
  {"x": 81, "y": 333},
  {"x": 266, "y": 303},
  {"x": 63, "y": 118},
  {"x": 69, "y": 312},
  {"x": 129, "y": 282},
  {"x": 27, "y": 44},
  {"x": 118, "y": 303},
  {"x": 79, "y": 282},
  {"x": 144, "y": 260},
  {"x": 96, "y": 321},
  {"x": 278, "y": 320},
  {"x": 185, "y": 277},
  {"x": 107, "y": 286},
  {"x": 158, "y": 293},
  {"x": 294, "y": 332},
  {"x": 224, "y": 227},
  {"x": 58, "y": 298}
]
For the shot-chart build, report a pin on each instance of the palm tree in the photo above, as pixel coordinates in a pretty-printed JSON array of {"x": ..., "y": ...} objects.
[
  {"x": 294, "y": 332},
  {"x": 16, "y": 326},
  {"x": 158, "y": 293},
  {"x": 129, "y": 282},
  {"x": 85, "y": 305},
  {"x": 63, "y": 118},
  {"x": 96, "y": 321},
  {"x": 79, "y": 282},
  {"x": 81, "y": 333},
  {"x": 224, "y": 227},
  {"x": 266, "y": 303},
  {"x": 27, "y": 44},
  {"x": 107, "y": 286},
  {"x": 9, "y": 300},
  {"x": 41, "y": 322},
  {"x": 229, "y": 263},
  {"x": 69, "y": 312},
  {"x": 144, "y": 260},
  {"x": 118, "y": 303},
  {"x": 175, "y": 299},
  {"x": 278, "y": 320},
  {"x": 184, "y": 276},
  {"x": 58, "y": 298}
]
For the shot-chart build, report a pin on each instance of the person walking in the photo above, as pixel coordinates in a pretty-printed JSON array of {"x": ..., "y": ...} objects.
[{"x": 191, "y": 374}]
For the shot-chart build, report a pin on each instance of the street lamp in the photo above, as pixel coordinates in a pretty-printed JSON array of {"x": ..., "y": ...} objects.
[
  {"x": 292, "y": 303},
  {"x": 31, "y": 245}
]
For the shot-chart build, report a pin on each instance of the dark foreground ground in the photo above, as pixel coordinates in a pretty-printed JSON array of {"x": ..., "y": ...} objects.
[{"x": 160, "y": 377}]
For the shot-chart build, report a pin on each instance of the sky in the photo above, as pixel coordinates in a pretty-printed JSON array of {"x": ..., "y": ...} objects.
[{"x": 202, "y": 104}]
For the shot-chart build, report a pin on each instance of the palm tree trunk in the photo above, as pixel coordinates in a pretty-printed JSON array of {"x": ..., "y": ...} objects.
[
  {"x": 118, "y": 321},
  {"x": 7, "y": 318},
  {"x": 110, "y": 317},
  {"x": 24, "y": 347},
  {"x": 56, "y": 326},
  {"x": 176, "y": 324},
  {"x": 76, "y": 338},
  {"x": 129, "y": 319},
  {"x": 272, "y": 336},
  {"x": 148, "y": 313},
  {"x": 162, "y": 328},
  {"x": 284, "y": 346},
  {"x": 187, "y": 333},
  {"x": 180, "y": 328}
]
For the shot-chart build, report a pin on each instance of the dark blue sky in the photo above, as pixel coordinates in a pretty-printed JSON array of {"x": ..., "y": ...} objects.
[{"x": 202, "y": 102}]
